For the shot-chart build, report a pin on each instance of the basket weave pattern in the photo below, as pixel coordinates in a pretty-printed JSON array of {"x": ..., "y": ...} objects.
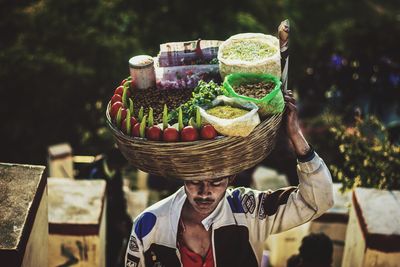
[{"x": 203, "y": 159}]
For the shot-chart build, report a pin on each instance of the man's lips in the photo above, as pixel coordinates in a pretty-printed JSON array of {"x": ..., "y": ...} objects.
[{"x": 203, "y": 202}]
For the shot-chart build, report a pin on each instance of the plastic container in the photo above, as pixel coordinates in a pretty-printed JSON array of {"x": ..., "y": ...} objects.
[{"x": 142, "y": 71}]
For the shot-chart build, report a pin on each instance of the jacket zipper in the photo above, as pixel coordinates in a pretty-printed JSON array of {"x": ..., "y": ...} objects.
[
  {"x": 179, "y": 256},
  {"x": 213, "y": 246}
]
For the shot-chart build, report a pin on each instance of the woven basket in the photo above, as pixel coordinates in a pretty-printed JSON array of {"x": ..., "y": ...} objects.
[{"x": 203, "y": 159}]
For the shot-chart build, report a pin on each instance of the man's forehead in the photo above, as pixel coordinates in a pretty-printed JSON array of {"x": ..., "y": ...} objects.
[{"x": 215, "y": 179}]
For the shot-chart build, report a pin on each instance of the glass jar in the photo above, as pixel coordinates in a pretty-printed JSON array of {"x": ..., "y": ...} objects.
[{"x": 142, "y": 71}]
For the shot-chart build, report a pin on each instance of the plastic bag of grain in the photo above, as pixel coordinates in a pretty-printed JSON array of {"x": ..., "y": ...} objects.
[
  {"x": 264, "y": 90},
  {"x": 250, "y": 53},
  {"x": 239, "y": 126}
]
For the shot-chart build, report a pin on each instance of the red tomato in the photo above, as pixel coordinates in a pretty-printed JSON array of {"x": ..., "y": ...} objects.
[
  {"x": 123, "y": 113},
  {"x": 116, "y": 98},
  {"x": 123, "y": 126},
  {"x": 171, "y": 135},
  {"x": 189, "y": 134},
  {"x": 119, "y": 90},
  {"x": 136, "y": 130},
  {"x": 208, "y": 132},
  {"x": 114, "y": 109},
  {"x": 133, "y": 121},
  {"x": 154, "y": 133}
]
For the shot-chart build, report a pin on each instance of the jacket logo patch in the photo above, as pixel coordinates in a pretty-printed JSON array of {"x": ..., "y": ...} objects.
[
  {"x": 133, "y": 246},
  {"x": 132, "y": 261},
  {"x": 145, "y": 224},
  {"x": 154, "y": 258},
  {"x": 261, "y": 210},
  {"x": 235, "y": 202},
  {"x": 249, "y": 203}
]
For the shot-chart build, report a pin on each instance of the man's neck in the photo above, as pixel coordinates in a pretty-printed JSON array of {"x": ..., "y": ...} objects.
[{"x": 190, "y": 215}]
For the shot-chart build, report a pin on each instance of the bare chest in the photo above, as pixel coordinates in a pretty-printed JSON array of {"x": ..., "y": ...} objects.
[{"x": 197, "y": 239}]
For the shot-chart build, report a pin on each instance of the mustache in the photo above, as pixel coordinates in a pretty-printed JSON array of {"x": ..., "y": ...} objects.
[{"x": 203, "y": 200}]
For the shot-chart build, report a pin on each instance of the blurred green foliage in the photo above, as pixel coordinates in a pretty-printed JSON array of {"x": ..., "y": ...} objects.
[
  {"x": 317, "y": 132},
  {"x": 369, "y": 158},
  {"x": 358, "y": 151},
  {"x": 61, "y": 60}
]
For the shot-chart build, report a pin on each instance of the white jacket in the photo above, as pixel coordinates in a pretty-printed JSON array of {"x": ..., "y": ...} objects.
[{"x": 240, "y": 224}]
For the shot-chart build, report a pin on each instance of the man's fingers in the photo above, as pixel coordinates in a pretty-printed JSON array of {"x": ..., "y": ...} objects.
[
  {"x": 290, "y": 102},
  {"x": 291, "y": 106},
  {"x": 290, "y": 99},
  {"x": 289, "y": 93}
]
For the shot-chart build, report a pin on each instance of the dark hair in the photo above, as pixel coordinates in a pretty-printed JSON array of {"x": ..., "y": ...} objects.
[
  {"x": 293, "y": 261},
  {"x": 316, "y": 250}
]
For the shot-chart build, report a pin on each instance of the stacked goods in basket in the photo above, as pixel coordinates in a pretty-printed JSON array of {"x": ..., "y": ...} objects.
[
  {"x": 184, "y": 64},
  {"x": 204, "y": 114},
  {"x": 163, "y": 124}
]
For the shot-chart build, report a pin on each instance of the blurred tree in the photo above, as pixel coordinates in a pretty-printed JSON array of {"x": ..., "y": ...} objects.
[
  {"x": 369, "y": 158},
  {"x": 341, "y": 46},
  {"x": 59, "y": 66}
]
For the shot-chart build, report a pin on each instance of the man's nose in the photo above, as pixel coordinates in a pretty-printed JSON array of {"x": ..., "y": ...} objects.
[{"x": 204, "y": 189}]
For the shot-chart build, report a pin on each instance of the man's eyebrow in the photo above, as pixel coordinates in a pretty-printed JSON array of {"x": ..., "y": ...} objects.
[{"x": 217, "y": 179}]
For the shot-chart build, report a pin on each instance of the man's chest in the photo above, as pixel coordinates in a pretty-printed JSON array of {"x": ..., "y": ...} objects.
[
  {"x": 230, "y": 244},
  {"x": 197, "y": 239}
]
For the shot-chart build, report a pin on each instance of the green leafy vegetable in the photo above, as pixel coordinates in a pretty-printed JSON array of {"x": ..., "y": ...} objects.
[{"x": 202, "y": 96}]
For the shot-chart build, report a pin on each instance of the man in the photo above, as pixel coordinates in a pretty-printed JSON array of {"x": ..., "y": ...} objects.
[
  {"x": 204, "y": 224},
  {"x": 316, "y": 250}
]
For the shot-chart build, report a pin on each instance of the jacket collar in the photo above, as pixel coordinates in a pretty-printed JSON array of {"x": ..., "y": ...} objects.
[
  {"x": 222, "y": 215},
  {"x": 175, "y": 211}
]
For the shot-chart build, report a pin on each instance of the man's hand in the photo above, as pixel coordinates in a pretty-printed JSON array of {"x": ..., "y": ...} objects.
[{"x": 292, "y": 126}]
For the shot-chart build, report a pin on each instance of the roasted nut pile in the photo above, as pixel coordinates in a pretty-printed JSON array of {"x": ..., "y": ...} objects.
[
  {"x": 254, "y": 90},
  {"x": 156, "y": 99}
]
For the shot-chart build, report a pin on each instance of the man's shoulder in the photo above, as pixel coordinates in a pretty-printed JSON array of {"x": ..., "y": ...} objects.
[
  {"x": 238, "y": 191},
  {"x": 156, "y": 214},
  {"x": 239, "y": 197},
  {"x": 160, "y": 208}
]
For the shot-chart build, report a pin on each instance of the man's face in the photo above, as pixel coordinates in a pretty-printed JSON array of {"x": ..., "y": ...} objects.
[{"x": 204, "y": 196}]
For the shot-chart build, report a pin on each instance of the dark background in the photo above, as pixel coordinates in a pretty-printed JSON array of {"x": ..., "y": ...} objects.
[{"x": 60, "y": 61}]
